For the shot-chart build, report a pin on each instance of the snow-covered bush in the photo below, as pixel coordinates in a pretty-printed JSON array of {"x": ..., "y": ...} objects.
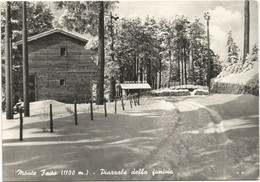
[
  {"x": 200, "y": 92},
  {"x": 232, "y": 65},
  {"x": 168, "y": 92},
  {"x": 251, "y": 59}
]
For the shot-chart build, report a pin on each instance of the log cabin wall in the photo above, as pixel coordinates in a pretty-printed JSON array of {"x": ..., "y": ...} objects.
[{"x": 62, "y": 67}]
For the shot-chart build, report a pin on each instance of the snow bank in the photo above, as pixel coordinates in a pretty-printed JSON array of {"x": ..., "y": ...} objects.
[
  {"x": 240, "y": 83},
  {"x": 240, "y": 78},
  {"x": 200, "y": 92},
  {"x": 169, "y": 92},
  {"x": 45, "y": 103}
]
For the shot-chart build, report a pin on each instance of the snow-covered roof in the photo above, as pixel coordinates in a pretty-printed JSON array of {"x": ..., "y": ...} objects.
[
  {"x": 35, "y": 37},
  {"x": 130, "y": 86}
]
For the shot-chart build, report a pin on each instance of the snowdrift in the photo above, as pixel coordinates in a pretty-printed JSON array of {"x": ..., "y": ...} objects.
[
  {"x": 169, "y": 92},
  {"x": 239, "y": 83},
  {"x": 200, "y": 92}
]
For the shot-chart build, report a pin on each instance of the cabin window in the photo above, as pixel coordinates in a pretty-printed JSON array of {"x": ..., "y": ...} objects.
[
  {"x": 62, "y": 82},
  {"x": 63, "y": 51}
]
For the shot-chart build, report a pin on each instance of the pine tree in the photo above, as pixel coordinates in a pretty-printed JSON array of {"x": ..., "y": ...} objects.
[
  {"x": 82, "y": 16},
  {"x": 232, "y": 49}
]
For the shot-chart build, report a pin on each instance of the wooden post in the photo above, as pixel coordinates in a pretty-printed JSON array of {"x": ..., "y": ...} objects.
[
  {"x": 134, "y": 100},
  {"x": 122, "y": 101},
  {"x": 51, "y": 119},
  {"x": 91, "y": 109},
  {"x": 130, "y": 100},
  {"x": 105, "y": 107},
  {"x": 75, "y": 112},
  {"x": 138, "y": 97},
  {"x": 115, "y": 105},
  {"x": 21, "y": 124}
]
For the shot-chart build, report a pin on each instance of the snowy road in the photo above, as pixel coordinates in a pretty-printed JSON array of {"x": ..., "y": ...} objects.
[
  {"x": 224, "y": 136},
  {"x": 175, "y": 151},
  {"x": 215, "y": 126},
  {"x": 202, "y": 145}
]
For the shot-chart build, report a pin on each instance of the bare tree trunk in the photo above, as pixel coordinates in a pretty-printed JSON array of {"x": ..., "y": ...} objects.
[
  {"x": 149, "y": 72},
  {"x": 145, "y": 72},
  {"x": 185, "y": 64},
  {"x": 133, "y": 68},
  {"x": 155, "y": 81},
  {"x": 182, "y": 73},
  {"x": 141, "y": 71},
  {"x": 112, "y": 89},
  {"x": 160, "y": 75},
  {"x": 209, "y": 60},
  {"x": 246, "y": 30},
  {"x": 101, "y": 56},
  {"x": 201, "y": 78},
  {"x": 137, "y": 69},
  {"x": 191, "y": 62},
  {"x": 130, "y": 73},
  {"x": 170, "y": 71},
  {"x": 8, "y": 57},
  {"x": 121, "y": 78}
]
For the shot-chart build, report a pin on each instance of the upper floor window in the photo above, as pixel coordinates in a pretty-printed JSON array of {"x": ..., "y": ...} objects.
[{"x": 63, "y": 51}]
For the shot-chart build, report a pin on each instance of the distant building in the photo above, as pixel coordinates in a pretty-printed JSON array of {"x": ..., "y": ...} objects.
[{"x": 60, "y": 68}]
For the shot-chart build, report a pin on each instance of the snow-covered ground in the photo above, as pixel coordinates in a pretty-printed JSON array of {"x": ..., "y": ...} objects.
[
  {"x": 197, "y": 137},
  {"x": 232, "y": 129},
  {"x": 114, "y": 142}
]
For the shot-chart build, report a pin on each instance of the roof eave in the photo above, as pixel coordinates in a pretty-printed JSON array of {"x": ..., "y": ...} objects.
[{"x": 35, "y": 37}]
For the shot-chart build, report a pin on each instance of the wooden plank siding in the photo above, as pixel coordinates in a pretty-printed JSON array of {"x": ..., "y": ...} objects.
[{"x": 48, "y": 66}]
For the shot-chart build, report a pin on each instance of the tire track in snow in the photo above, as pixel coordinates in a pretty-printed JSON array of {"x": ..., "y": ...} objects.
[
  {"x": 220, "y": 135},
  {"x": 160, "y": 148}
]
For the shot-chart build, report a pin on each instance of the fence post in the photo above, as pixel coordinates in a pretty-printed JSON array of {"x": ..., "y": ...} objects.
[
  {"x": 51, "y": 119},
  {"x": 21, "y": 124},
  {"x": 130, "y": 100},
  {"x": 122, "y": 101},
  {"x": 75, "y": 112},
  {"x": 115, "y": 105},
  {"x": 91, "y": 109},
  {"x": 134, "y": 100},
  {"x": 105, "y": 107}
]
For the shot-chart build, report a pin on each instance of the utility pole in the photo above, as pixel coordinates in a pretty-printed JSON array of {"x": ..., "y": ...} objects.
[
  {"x": 246, "y": 30},
  {"x": 207, "y": 18},
  {"x": 101, "y": 55},
  {"x": 25, "y": 65},
  {"x": 8, "y": 65},
  {"x": 112, "y": 79}
]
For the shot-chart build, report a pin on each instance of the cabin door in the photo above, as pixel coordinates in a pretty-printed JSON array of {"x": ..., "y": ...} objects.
[{"x": 32, "y": 92}]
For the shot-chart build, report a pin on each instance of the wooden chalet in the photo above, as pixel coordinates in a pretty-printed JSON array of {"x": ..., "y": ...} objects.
[{"x": 60, "y": 68}]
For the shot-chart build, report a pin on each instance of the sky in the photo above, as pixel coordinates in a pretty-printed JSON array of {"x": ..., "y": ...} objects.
[{"x": 225, "y": 16}]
